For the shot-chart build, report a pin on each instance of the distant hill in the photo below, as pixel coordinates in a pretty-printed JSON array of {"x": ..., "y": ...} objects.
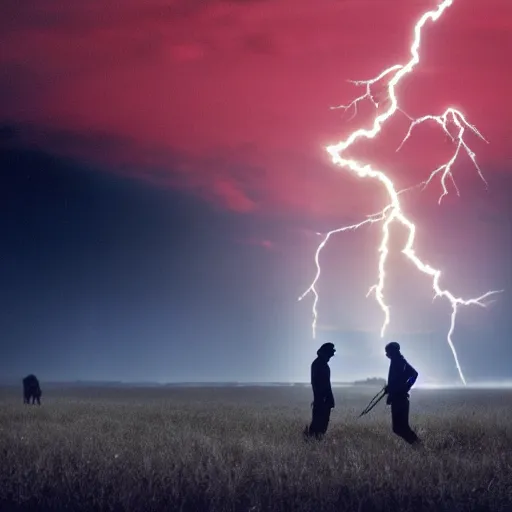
[
  {"x": 148, "y": 384},
  {"x": 373, "y": 381}
]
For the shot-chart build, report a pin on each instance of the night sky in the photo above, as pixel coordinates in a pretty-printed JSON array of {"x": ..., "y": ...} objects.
[{"x": 164, "y": 176}]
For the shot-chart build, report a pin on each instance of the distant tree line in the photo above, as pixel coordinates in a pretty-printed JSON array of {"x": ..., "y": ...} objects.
[{"x": 372, "y": 381}]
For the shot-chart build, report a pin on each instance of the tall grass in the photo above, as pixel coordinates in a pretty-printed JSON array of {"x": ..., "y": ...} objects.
[{"x": 241, "y": 450}]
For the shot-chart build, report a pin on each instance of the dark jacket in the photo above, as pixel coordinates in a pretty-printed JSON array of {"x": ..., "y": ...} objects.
[
  {"x": 321, "y": 382},
  {"x": 401, "y": 378}
]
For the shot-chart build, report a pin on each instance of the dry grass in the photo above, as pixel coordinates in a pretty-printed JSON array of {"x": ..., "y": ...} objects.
[{"x": 240, "y": 449}]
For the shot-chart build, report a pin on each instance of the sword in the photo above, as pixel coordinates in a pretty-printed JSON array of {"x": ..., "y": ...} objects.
[{"x": 374, "y": 401}]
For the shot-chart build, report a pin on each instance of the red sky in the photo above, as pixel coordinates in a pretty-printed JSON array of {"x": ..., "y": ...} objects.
[{"x": 232, "y": 99}]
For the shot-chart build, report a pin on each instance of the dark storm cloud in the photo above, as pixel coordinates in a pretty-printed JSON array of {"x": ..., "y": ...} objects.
[{"x": 164, "y": 167}]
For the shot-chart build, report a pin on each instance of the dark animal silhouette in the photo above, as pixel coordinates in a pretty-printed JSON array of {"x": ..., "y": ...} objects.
[
  {"x": 323, "y": 399},
  {"x": 31, "y": 390},
  {"x": 402, "y": 377}
]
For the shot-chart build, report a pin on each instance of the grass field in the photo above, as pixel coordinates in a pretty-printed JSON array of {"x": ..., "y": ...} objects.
[{"x": 240, "y": 449}]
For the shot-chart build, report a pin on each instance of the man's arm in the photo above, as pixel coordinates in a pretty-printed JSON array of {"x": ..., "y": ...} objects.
[
  {"x": 411, "y": 375},
  {"x": 322, "y": 383},
  {"x": 401, "y": 378},
  {"x": 330, "y": 396}
]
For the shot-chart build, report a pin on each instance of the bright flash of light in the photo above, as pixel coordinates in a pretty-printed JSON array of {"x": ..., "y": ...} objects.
[{"x": 393, "y": 212}]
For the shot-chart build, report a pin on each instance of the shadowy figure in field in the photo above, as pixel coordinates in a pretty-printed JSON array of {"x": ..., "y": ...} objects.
[
  {"x": 323, "y": 399},
  {"x": 401, "y": 378},
  {"x": 31, "y": 390}
]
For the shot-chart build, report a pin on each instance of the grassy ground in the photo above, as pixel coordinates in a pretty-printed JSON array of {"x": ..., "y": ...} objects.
[{"x": 240, "y": 449}]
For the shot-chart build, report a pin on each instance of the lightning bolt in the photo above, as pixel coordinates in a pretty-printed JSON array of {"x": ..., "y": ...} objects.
[{"x": 393, "y": 212}]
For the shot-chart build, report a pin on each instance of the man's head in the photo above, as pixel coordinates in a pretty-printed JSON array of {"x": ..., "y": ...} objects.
[
  {"x": 326, "y": 351},
  {"x": 392, "y": 350}
]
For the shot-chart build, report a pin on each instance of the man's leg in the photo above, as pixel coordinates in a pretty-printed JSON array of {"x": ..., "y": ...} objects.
[
  {"x": 325, "y": 417},
  {"x": 314, "y": 429},
  {"x": 318, "y": 425},
  {"x": 400, "y": 420}
]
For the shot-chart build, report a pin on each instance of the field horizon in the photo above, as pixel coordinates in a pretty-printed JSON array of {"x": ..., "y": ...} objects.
[
  {"x": 241, "y": 449},
  {"x": 367, "y": 382}
]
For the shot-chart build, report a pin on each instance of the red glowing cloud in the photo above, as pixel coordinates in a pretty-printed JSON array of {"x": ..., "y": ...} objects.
[{"x": 232, "y": 99}]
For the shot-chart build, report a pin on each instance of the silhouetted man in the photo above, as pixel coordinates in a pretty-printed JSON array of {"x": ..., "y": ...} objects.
[
  {"x": 31, "y": 390},
  {"x": 401, "y": 378},
  {"x": 323, "y": 399}
]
